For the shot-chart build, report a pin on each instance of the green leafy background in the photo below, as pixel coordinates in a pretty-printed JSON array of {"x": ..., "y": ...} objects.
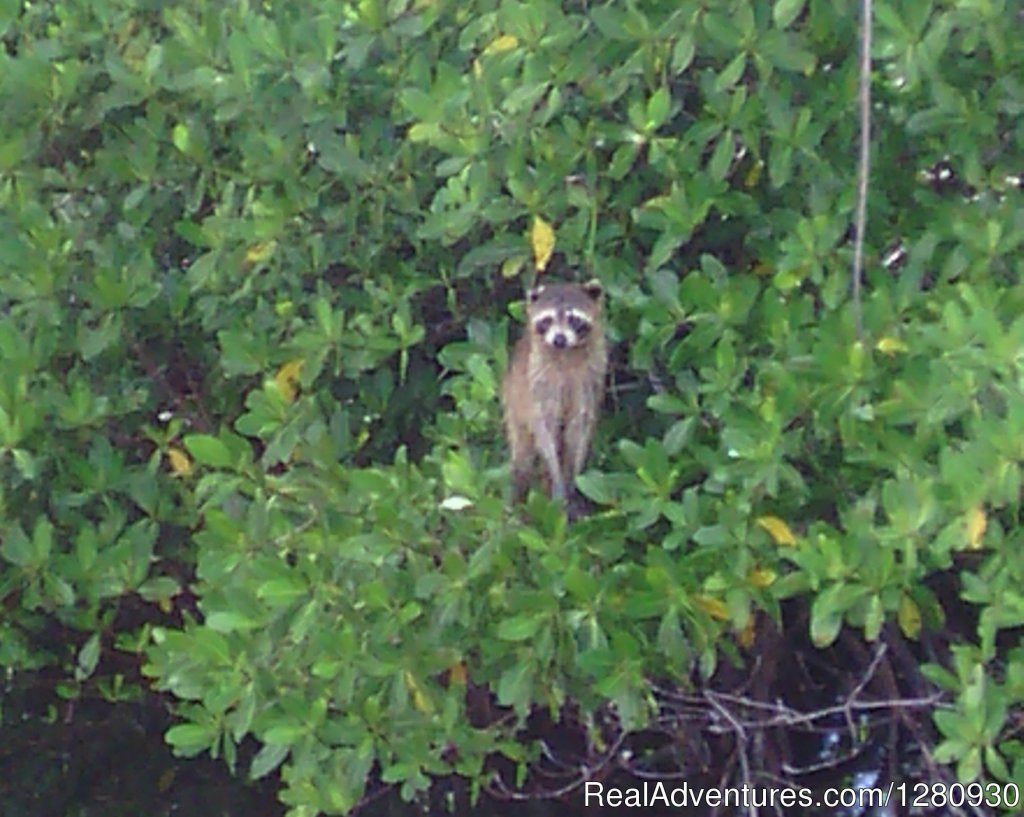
[{"x": 255, "y": 264}]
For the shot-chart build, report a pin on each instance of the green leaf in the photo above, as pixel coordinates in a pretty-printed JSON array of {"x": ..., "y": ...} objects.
[
  {"x": 520, "y": 628},
  {"x": 94, "y": 341},
  {"x": 969, "y": 767},
  {"x": 189, "y": 739},
  {"x": 732, "y": 73},
  {"x": 282, "y": 590},
  {"x": 782, "y": 49},
  {"x": 887, "y": 17},
  {"x": 721, "y": 28},
  {"x": 670, "y": 638},
  {"x": 516, "y": 685},
  {"x": 828, "y": 609},
  {"x": 267, "y": 759},
  {"x": 227, "y": 621},
  {"x": 242, "y": 353},
  {"x": 16, "y": 547},
  {"x": 208, "y": 450},
  {"x": 88, "y": 658},
  {"x": 617, "y": 23},
  {"x": 604, "y": 489},
  {"x": 996, "y": 764},
  {"x": 337, "y": 157},
  {"x": 679, "y": 436},
  {"x": 874, "y": 618},
  {"x": 722, "y": 157},
  {"x": 658, "y": 109},
  {"x": 42, "y": 540},
  {"x": 59, "y": 591},
  {"x": 785, "y": 12},
  {"x": 683, "y": 52},
  {"x": 181, "y": 137},
  {"x": 284, "y": 734},
  {"x": 949, "y": 751},
  {"x": 159, "y": 589}
]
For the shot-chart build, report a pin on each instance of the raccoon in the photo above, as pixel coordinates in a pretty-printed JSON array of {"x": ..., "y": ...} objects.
[{"x": 554, "y": 387}]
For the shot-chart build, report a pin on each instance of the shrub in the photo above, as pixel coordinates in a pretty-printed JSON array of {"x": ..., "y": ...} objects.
[{"x": 255, "y": 262}]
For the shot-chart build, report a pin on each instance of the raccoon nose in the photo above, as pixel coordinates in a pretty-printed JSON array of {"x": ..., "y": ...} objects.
[{"x": 559, "y": 341}]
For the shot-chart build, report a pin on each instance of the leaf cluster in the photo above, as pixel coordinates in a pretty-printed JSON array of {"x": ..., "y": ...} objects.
[{"x": 254, "y": 261}]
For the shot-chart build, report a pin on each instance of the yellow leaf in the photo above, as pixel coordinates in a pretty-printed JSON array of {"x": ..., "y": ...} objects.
[
  {"x": 746, "y": 635},
  {"x": 511, "y": 267},
  {"x": 166, "y": 780},
  {"x": 761, "y": 577},
  {"x": 542, "y": 240},
  {"x": 909, "y": 617},
  {"x": 477, "y": 70},
  {"x": 506, "y": 42},
  {"x": 457, "y": 674},
  {"x": 420, "y": 699},
  {"x": 890, "y": 346},
  {"x": 777, "y": 529},
  {"x": 287, "y": 377},
  {"x": 976, "y": 524},
  {"x": 754, "y": 174},
  {"x": 713, "y": 607},
  {"x": 181, "y": 465},
  {"x": 258, "y": 253}
]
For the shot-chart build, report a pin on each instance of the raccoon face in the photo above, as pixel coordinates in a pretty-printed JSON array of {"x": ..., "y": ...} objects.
[
  {"x": 563, "y": 315},
  {"x": 562, "y": 329}
]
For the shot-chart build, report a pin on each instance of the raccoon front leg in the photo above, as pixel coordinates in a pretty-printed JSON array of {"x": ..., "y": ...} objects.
[
  {"x": 578, "y": 435},
  {"x": 522, "y": 460},
  {"x": 547, "y": 447},
  {"x": 522, "y": 473}
]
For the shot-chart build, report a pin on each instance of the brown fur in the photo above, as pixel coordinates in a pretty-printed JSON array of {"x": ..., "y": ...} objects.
[{"x": 552, "y": 396}]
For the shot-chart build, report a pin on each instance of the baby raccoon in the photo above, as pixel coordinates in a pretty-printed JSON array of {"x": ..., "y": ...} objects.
[{"x": 554, "y": 386}]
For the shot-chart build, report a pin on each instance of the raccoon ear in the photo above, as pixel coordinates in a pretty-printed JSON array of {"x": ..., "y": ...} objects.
[
  {"x": 533, "y": 295},
  {"x": 594, "y": 289}
]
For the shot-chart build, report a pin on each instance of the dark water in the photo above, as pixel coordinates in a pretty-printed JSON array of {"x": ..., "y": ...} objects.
[
  {"x": 104, "y": 760},
  {"x": 109, "y": 760},
  {"x": 96, "y": 759}
]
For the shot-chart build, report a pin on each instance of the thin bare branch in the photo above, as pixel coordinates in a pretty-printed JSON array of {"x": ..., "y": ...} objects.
[{"x": 865, "y": 164}]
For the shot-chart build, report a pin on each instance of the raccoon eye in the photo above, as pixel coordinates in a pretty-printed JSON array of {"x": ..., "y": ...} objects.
[
  {"x": 542, "y": 326},
  {"x": 580, "y": 326}
]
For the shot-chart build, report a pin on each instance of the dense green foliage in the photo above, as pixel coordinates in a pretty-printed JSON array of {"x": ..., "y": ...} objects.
[{"x": 255, "y": 261}]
